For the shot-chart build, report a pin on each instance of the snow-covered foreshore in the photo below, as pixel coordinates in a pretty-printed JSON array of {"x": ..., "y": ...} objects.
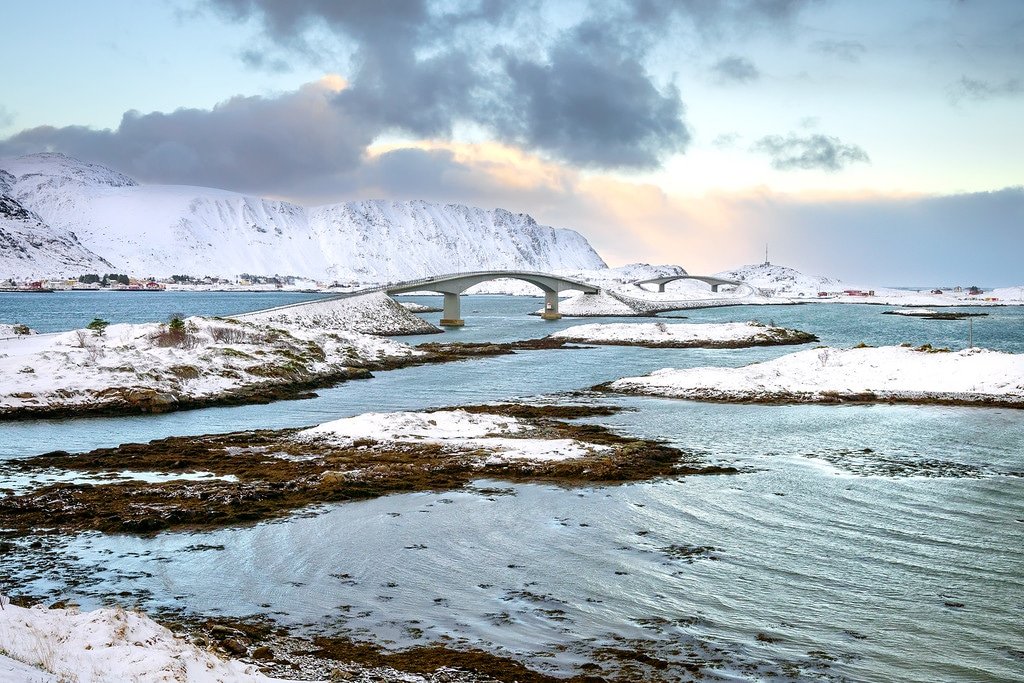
[
  {"x": 156, "y": 367},
  {"x": 827, "y": 375},
  {"x": 106, "y": 645},
  {"x": 684, "y": 335},
  {"x": 114, "y": 645}
]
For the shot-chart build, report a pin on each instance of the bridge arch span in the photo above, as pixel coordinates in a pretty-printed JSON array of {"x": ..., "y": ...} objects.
[
  {"x": 715, "y": 282},
  {"x": 451, "y": 286}
]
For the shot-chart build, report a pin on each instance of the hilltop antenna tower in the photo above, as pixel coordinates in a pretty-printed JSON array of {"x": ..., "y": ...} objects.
[{"x": 766, "y": 261}]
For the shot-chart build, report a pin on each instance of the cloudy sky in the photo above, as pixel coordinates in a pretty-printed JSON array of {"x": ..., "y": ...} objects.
[{"x": 876, "y": 141}]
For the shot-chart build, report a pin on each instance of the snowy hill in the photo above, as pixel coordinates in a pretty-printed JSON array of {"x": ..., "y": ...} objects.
[
  {"x": 776, "y": 280},
  {"x": 163, "y": 230},
  {"x": 30, "y": 249}
]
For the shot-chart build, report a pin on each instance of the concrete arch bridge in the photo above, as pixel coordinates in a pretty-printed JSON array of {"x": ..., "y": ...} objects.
[
  {"x": 715, "y": 282},
  {"x": 451, "y": 286}
]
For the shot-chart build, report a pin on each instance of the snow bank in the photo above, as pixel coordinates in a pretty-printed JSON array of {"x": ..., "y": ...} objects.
[
  {"x": 414, "y": 307},
  {"x": 972, "y": 376},
  {"x": 106, "y": 645},
  {"x": 503, "y": 438},
  {"x": 15, "y": 330},
  {"x": 676, "y": 334},
  {"x": 368, "y": 314}
]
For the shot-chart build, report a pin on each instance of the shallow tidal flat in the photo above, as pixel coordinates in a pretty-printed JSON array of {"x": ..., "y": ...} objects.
[{"x": 219, "y": 480}]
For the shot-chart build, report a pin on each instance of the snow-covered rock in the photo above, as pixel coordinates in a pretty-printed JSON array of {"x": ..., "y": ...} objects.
[
  {"x": 889, "y": 373},
  {"x": 499, "y": 438},
  {"x": 106, "y": 646},
  {"x": 157, "y": 230},
  {"x": 15, "y": 330}
]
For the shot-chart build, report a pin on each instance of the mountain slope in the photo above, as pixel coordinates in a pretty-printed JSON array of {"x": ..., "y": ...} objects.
[
  {"x": 163, "y": 230},
  {"x": 31, "y": 249},
  {"x": 389, "y": 240}
]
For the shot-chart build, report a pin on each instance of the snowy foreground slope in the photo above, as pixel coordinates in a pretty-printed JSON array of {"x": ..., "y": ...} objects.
[
  {"x": 828, "y": 375},
  {"x": 157, "y": 230}
]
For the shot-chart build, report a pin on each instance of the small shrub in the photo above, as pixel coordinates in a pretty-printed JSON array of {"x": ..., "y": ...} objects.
[
  {"x": 234, "y": 335},
  {"x": 22, "y": 329},
  {"x": 928, "y": 348},
  {"x": 98, "y": 327},
  {"x": 862, "y": 345}
]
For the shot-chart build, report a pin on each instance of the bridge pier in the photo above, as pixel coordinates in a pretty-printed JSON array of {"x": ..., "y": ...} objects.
[
  {"x": 452, "y": 311},
  {"x": 550, "y": 306},
  {"x": 661, "y": 287},
  {"x": 714, "y": 288}
]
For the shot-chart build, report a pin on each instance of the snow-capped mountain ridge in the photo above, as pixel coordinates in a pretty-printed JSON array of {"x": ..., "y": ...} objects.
[{"x": 161, "y": 230}]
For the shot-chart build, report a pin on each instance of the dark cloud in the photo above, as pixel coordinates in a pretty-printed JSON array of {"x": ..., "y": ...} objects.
[
  {"x": 821, "y": 152},
  {"x": 592, "y": 103},
  {"x": 257, "y": 59},
  {"x": 576, "y": 90},
  {"x": 253, "y": 144},
  {"x": 843, "y": 50},
  {"x": 580, "y": 92},
  {"x": 979, "y": 90},
  {"x": 735, "y": 69}
]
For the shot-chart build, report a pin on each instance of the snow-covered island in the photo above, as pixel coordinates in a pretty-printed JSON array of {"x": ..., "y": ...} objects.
[
  {"x": 684, "y": 335},
  {"x": 157, "y": 367},
  {"x": 898, "y": 374}
]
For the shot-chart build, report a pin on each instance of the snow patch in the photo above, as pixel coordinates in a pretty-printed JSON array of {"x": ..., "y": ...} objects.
[{"x": 505, "y": 438}]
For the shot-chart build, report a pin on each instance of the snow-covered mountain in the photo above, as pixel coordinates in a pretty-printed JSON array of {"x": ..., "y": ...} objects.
[
  {"x": 30, "y": 249},
  {"x": 390, "y": 240},
  {"x": 776, "y": 280},
  {"x": 162, "y": 230}
]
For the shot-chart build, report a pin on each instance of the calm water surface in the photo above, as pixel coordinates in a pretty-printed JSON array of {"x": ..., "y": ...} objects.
[{"x": 865, "y": 543}]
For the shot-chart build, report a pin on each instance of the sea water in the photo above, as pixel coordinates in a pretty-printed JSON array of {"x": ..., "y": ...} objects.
[{"x": 870, "y": 543}]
